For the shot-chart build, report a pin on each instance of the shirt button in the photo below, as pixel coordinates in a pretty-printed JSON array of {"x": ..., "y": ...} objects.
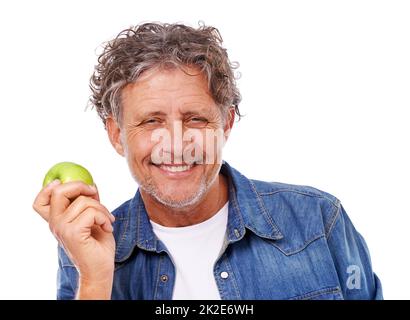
[
  {"x": 164, "y": 278},
  {"x": 224, "y": 275}
]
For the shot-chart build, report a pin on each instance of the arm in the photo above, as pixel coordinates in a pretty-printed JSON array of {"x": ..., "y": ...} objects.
[
  {"x": 352, "y": 260},
  {"x": 70, "y": 286}
]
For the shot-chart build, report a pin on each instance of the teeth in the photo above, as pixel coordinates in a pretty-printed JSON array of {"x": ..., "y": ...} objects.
[{"x": 176, "y": 168}]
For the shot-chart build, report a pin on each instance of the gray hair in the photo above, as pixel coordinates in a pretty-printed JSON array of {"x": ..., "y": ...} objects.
[{"x": 143, "y": 47}]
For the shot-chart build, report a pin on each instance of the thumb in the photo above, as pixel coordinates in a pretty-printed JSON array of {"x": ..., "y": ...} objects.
[{"x": 41, "y": 203}]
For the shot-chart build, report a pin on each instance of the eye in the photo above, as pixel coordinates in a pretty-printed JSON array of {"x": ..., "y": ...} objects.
[
  {"x": 198, "y": 120},
  {"x": 151, "y": 121}
]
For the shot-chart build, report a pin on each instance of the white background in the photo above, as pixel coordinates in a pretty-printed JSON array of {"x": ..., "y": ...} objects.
[{"x": 325, "y": 88}]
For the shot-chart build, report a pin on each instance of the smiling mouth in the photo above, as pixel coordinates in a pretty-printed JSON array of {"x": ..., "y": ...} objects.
[{"x": 175, "y": 168}]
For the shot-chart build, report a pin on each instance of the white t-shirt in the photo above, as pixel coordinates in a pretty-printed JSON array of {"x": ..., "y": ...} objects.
[{"x": 194, "y": 250}]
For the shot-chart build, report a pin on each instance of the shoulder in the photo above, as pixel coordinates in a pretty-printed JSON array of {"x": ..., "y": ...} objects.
[
  {"x": 265, "y": 188},
  {"x": 293, "y": 205}
]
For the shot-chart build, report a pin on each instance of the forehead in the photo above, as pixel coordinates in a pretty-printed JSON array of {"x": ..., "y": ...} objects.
[{"x": 167, "y": 87}]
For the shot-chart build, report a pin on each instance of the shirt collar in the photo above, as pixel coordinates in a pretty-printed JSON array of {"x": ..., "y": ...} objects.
[
  {"x": 246, "y": 208},
  {"x": 246, "y": 211}
]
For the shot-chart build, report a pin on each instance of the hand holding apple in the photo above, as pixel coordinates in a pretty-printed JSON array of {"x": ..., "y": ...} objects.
[{"x": 81, "y": 224}]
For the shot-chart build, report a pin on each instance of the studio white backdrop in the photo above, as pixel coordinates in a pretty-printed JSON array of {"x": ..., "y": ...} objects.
[{"x": 325, "y": 88}]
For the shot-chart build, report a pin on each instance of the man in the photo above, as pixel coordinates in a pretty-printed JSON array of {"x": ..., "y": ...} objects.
[{"x": 196, "y": 228}]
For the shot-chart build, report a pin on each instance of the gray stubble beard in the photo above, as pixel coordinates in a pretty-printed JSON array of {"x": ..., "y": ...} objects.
[{"x": 149, "y": 187}]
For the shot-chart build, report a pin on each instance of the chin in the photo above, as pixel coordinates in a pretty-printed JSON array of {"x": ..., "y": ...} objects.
[{"x": 172, "y": 200}]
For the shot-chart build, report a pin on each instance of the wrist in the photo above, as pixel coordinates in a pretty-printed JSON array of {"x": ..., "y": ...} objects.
[{"x": 94, "y": 289}]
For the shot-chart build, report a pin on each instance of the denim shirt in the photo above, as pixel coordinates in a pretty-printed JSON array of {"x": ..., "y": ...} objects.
[{"x": 282, "y": 242}]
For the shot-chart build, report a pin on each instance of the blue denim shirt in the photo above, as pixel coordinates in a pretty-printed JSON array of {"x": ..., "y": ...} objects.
[{"x": 282, "y": 242}]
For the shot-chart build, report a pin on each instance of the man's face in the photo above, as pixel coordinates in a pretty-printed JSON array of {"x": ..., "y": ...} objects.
[{"x": 168, "y": 135}]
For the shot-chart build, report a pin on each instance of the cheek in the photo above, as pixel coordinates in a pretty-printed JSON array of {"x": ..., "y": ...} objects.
[{"x": 139, "y": 145}]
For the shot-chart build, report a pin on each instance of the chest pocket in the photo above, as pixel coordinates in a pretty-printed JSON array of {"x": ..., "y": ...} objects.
[{"x": 306, "y": 272}]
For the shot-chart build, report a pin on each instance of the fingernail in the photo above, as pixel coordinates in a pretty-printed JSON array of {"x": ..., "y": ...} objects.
[
  {"x": 112, "y": 217},
  {"x": 54, "y": 182},
  {"x": 93, "y": 188}
]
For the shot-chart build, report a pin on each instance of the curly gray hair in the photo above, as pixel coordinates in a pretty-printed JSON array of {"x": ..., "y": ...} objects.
[{"x": 150, "y": 45}]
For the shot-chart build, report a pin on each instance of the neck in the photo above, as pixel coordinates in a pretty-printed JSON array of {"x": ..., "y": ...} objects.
[{"x": 207, "y": 207}]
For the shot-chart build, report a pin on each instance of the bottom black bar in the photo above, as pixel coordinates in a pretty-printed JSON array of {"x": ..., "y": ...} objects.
[{"x": 194, "y": 309}]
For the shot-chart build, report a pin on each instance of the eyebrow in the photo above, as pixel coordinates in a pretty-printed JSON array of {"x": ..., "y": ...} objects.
[
  {"x": 151, "y": 114},
  {"x": 202, "y": 110},
  {"x": 161, "y": 113}
]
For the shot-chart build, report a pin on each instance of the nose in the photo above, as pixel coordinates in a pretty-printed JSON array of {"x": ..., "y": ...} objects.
[{"x": 175, "y": 146}]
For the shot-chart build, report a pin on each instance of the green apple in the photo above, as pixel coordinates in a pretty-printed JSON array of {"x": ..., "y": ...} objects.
[{"x": 66, "y": 172}]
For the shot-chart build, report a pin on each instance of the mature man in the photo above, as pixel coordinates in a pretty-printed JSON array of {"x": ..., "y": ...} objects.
[{"x": 196, "y": 228}]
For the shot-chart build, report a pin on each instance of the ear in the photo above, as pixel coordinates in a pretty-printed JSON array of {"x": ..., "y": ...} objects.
[
  {"x": 229, "y": 121},
  {"x": 114, "y": 133}
]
